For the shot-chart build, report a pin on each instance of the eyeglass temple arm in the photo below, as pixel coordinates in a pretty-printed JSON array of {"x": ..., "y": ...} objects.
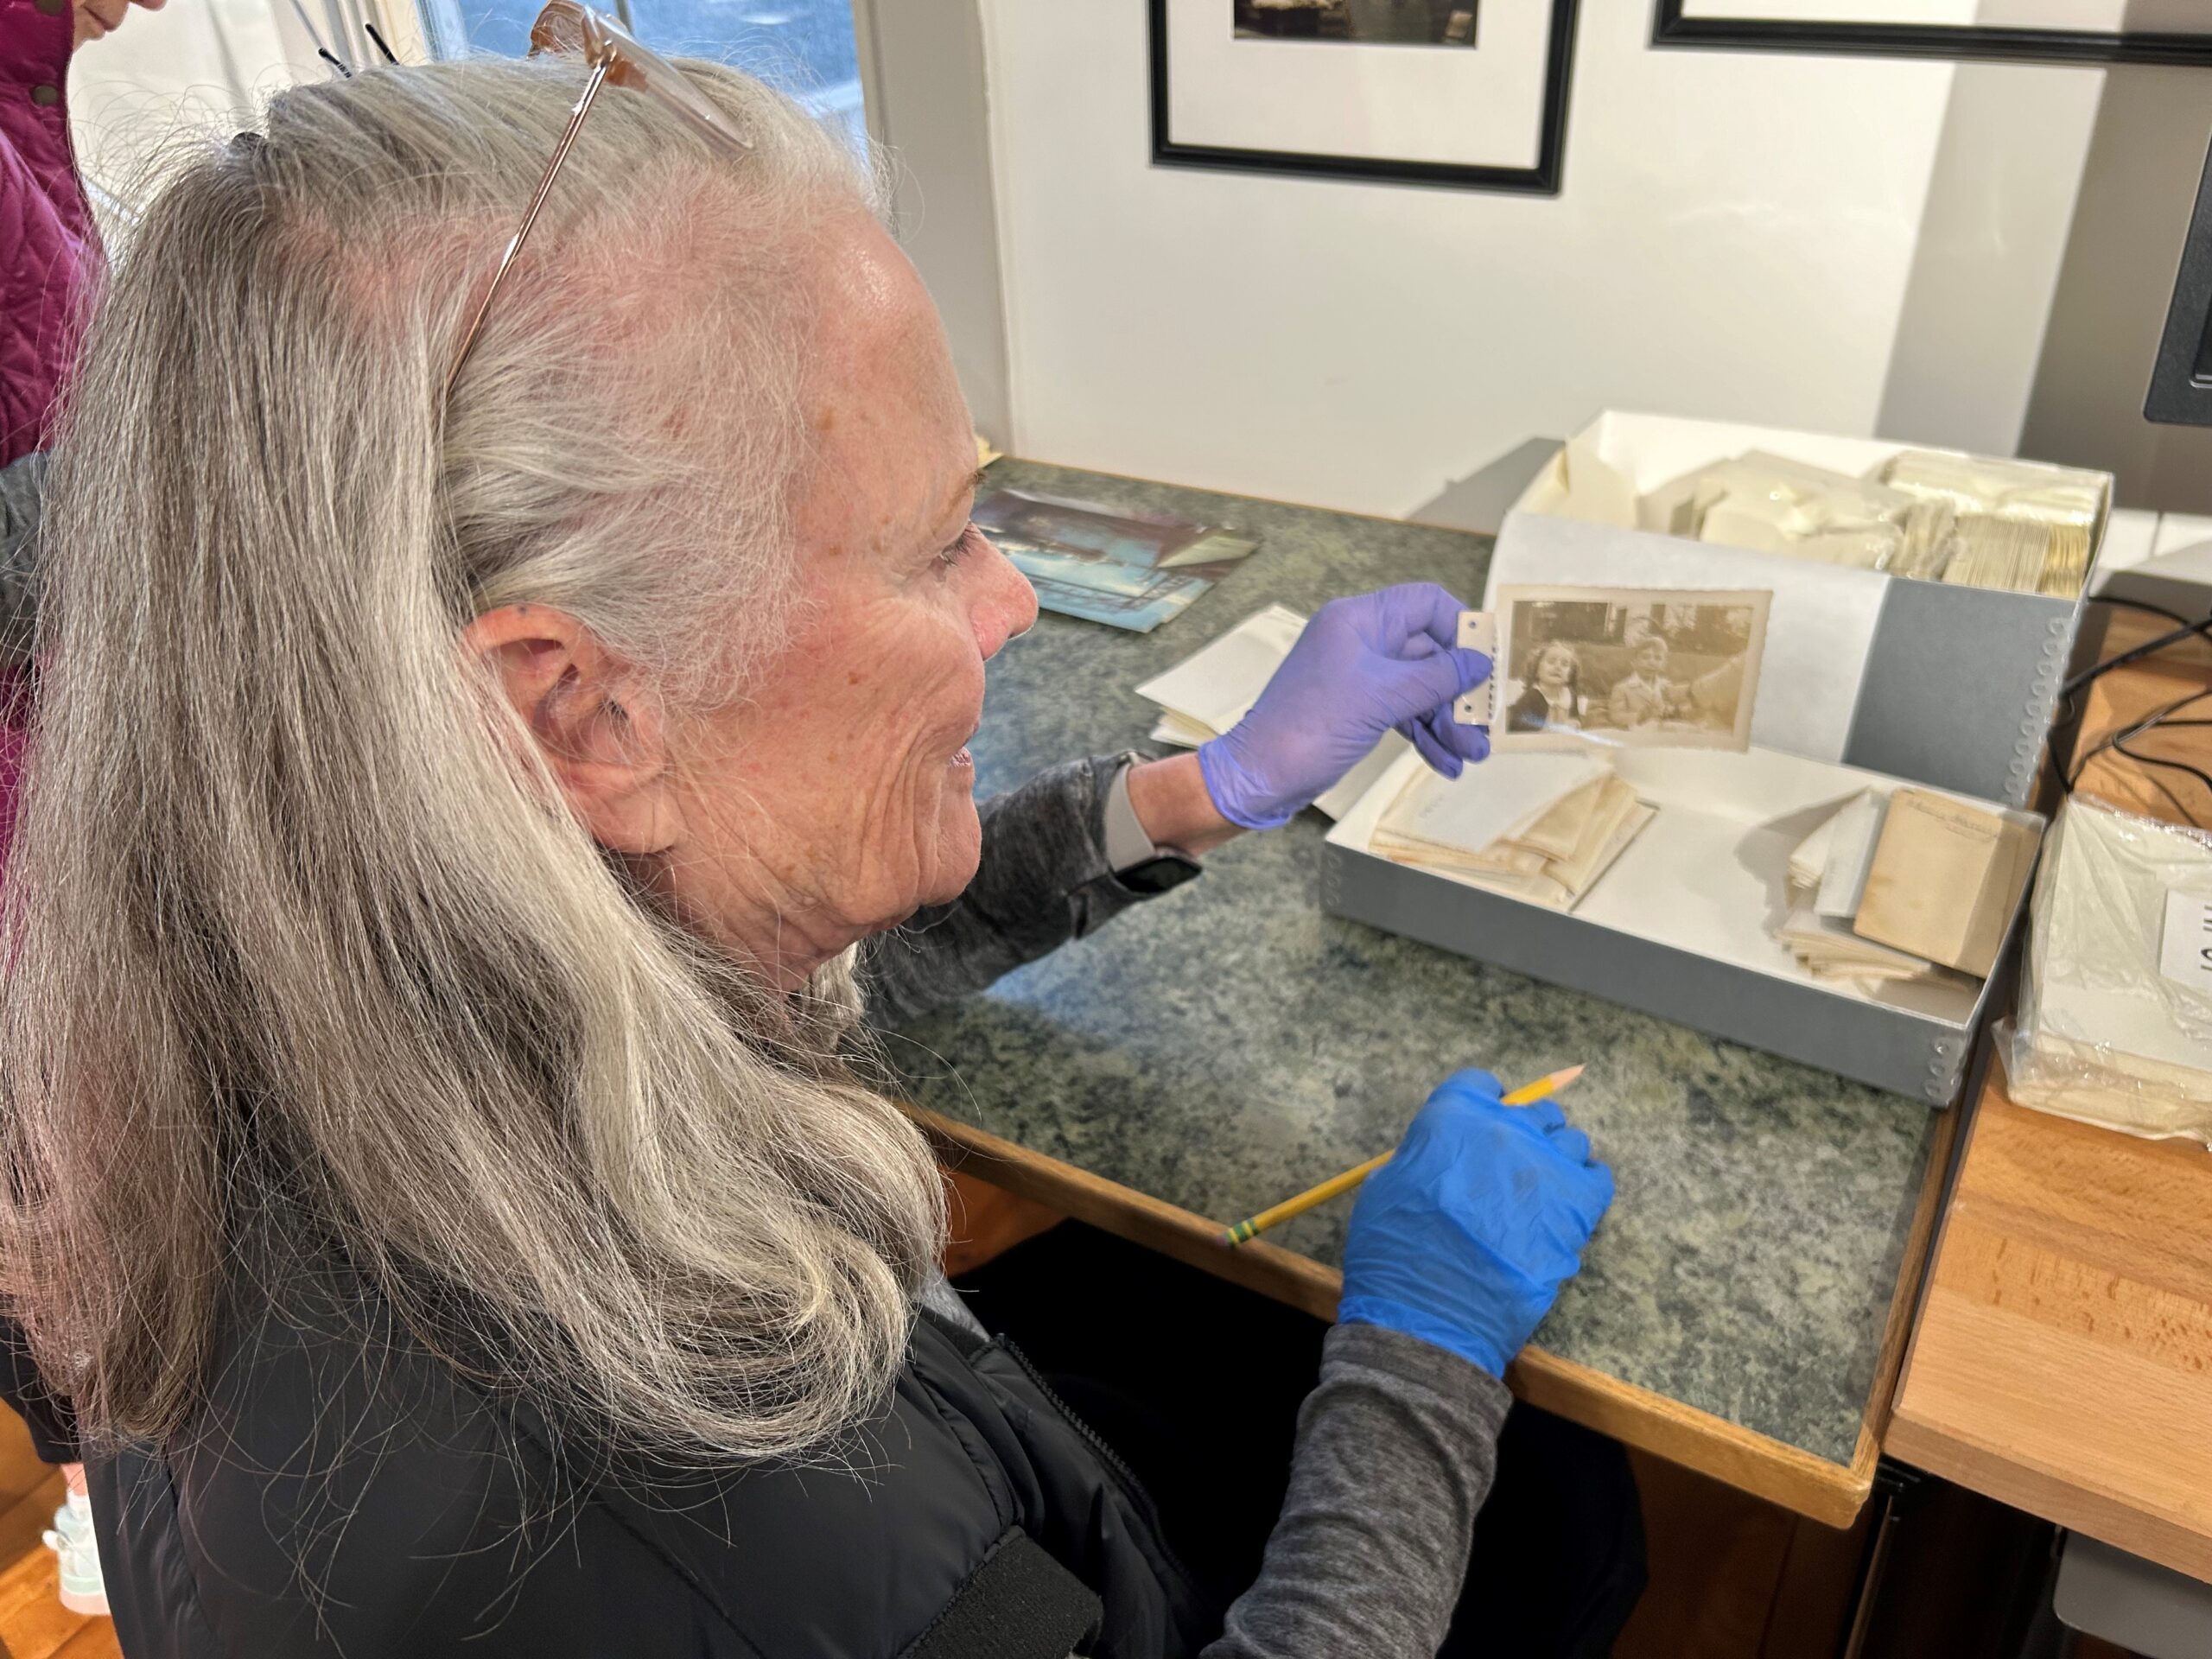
[{"x": 592, "y": 84}]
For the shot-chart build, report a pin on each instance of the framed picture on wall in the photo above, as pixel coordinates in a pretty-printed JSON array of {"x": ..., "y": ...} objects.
[
  {"x": 1469, "y": 94},
  {"x": 2020, "y": 31}
]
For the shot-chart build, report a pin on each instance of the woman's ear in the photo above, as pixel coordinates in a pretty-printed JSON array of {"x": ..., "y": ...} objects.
[{"x": 593, "y": 723}]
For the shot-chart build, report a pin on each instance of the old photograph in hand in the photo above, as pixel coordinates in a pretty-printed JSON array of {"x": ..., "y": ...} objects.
[{"x": 1620, "y": 667}]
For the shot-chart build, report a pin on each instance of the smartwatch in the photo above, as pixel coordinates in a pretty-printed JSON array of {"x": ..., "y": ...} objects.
[{"x": 1137, "y": 861}]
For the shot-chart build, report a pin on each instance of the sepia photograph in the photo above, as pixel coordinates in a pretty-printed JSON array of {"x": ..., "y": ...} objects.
[
  {"x": 1362, "y": 22},
  {"x": 1628, "y": 666}
]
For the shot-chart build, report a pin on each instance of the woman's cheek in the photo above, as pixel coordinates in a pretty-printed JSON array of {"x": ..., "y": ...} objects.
[{"x": 959, "y": 849}]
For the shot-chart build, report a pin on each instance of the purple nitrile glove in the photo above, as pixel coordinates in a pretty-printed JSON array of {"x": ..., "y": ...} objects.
[
  {"x": 1463, "y": 1238},
  {"x": 1377, "y": 662}
]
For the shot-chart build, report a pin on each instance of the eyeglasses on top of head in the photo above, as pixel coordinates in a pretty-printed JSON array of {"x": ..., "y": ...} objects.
[{"x": 611, "y": 54}]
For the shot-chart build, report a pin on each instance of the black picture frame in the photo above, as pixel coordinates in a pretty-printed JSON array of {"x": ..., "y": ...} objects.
[
  {"x": 2181, "y": 375},
  {"x": 1541, "y": 180},
  {"x": 1995, "y": 44}
]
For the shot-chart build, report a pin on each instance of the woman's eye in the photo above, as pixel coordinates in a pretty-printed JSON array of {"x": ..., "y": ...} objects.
[{"x": 969, "y": 536}]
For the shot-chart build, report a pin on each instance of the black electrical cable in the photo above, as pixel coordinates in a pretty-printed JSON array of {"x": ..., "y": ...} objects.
[
  {"x": 2139, "y": 605},
  {"x": 2117, "y": 743},
  {"x": 2136, "y": 653},
  {"x": 2063, "y": 712}
]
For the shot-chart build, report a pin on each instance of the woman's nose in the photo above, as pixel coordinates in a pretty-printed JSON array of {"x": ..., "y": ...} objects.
[{"x": 1007, "y": 607}]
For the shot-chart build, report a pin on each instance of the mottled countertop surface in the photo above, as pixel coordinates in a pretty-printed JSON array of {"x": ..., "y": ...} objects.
[{"x": 1227, "y": 1045}]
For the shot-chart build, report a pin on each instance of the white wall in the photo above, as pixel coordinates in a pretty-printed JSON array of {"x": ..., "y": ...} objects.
[
  {"x": 923, "y": 63},
  {"x": 1737, "y": 237}
]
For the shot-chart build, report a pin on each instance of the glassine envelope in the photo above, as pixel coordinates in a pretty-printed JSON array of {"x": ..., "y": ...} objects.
[
  {"x": 1506, "y": 792},
  {"x": 1212, "y": 688},
  {"x": 1217, "y": 685}
]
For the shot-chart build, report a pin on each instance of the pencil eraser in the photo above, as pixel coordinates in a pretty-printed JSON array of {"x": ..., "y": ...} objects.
[{"x": 1478, "y": 632}]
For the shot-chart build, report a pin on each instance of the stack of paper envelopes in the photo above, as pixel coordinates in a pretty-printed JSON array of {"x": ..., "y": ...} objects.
[
  {"x": 1904, "y": 885},
  {"x": 1542, "y": 827},
  {"x": 1924, "y": 513}
]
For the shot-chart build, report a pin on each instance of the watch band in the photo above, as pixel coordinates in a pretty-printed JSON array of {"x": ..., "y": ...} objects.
[
  {"x": 1139, "y": 863},
  {"x": 1126, "y": 844}
]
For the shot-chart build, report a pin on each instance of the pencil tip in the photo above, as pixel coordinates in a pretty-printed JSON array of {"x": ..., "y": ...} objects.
[{"x": 1561, "y": 1080}]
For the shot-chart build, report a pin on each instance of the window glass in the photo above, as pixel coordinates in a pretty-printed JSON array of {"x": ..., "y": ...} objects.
[
  {"x": 805, "y": 46},
  {"x": 184, "y": 72}
]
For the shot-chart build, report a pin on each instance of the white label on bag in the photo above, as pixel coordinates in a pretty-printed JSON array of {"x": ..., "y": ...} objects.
[
  {"x": 2185, "y": 948},
  {"x": 1478, "y": 632}
]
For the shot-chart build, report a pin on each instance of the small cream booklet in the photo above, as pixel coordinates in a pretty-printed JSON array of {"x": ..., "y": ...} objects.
[
  {"x": 1945, "y": 878},
  {"x": 1903, "y": 883}
]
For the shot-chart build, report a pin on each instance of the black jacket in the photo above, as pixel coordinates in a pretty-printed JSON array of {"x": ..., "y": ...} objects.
[{"x": 344, "y": 1491}]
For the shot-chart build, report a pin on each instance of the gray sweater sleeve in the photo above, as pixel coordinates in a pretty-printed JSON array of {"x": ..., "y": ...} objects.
[
  {"x": 1396, "y": 1445},
  {"x": 1043, "y": 880},
  {"x": 20, "y": 483}
]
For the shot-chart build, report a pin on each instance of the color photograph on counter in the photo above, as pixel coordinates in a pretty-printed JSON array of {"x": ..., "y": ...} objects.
[{"x": 1131, "y": 571}]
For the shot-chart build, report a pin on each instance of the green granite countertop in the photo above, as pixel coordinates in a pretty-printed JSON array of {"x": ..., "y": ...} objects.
[{"x": 1227, "y": 1044}]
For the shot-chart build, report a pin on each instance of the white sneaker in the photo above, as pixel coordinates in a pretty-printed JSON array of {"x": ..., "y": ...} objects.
[
  {"x": 83, "y": 1590},
  {"x": 73, "y": 1518}
]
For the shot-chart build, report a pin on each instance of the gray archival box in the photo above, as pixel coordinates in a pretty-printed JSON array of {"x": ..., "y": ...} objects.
[{"x": 1957, "y": 694}]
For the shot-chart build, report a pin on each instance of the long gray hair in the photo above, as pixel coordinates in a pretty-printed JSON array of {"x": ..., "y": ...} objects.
[{"x": 294, "y": 927}]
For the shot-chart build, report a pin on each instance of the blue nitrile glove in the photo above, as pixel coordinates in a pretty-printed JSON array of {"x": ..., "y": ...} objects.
[
  {"x": 1464, "y": 1237},
  {"x": 1375, "y": 664}
]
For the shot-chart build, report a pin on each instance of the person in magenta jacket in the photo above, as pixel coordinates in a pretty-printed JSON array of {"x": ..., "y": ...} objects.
[
  {"x": 51, "y": 262},
  {"x": 54, "y": 253}
]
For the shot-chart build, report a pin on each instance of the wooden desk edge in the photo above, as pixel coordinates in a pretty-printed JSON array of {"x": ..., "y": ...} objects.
[
  {"x": 1831, "y": 1493},
  {"x": 1905, "y": 1301},
  {"x": 2055, "y": 1495},
  {"x": 1898, "y": 1428}
]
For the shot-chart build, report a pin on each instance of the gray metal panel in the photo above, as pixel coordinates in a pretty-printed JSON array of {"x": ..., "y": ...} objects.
[
  {"x": 1959, "y": 686},
  {"x": 2145, "y": 1608},
  {"x": 1890, "y": 1048}
]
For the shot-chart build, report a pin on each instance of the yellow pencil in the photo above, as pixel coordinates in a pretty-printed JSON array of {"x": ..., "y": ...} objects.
[{"x": 1529, "y": 1095}]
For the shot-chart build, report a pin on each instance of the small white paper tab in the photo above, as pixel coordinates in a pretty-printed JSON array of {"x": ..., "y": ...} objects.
[
  {"x": 1478, "y": 632},
  {"x": 1850, "y": 856},
  {"x": 2185, "y": 948}
]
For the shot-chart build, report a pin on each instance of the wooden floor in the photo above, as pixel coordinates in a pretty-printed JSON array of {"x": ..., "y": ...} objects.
[{"x": 34, "y": 1625}]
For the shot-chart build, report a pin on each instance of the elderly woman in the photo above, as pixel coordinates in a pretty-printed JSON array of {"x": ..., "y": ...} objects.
[{"x": 482, "y": 723}]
